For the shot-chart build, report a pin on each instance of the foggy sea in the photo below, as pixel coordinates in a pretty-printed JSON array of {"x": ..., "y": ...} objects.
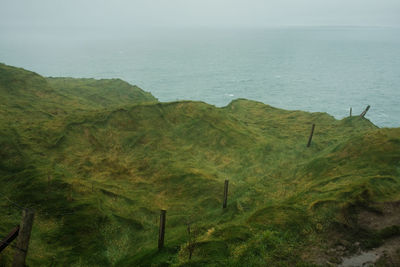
[{"x": 324, "y": 69}]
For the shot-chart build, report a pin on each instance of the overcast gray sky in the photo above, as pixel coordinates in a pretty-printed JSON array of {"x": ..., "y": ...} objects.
[{"x": 112, "y": 15}]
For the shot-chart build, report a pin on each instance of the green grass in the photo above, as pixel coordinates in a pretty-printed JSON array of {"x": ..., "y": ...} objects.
[{"x": 113, "y": 156}]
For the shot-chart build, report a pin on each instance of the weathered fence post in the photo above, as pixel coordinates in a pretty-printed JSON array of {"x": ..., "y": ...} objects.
[
  {"x": 351, "y": 112},
  {"x": 362, "y": 115},
  {"x": 225, "y": 194},
  {"x": 23, "y": 238},
  {"x": 9, "y": 238},
  {"x": 48, "y": 186},
  {"x": 69, "y": 197},
  {"x": 311, "y": 135},
  {"x": 191, "y": 240},
  {"x": 161, "y": 232}
]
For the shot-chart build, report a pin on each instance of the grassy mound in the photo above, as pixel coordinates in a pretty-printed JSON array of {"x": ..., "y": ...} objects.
[{"x": 99, "y": 169}]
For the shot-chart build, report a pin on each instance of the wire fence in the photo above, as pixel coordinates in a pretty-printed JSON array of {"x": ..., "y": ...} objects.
[
  {"x": 12, "y": 202},
  {"x": 187, "y": 218},
  {"x": 61, "y": 212},
  {"x": 20, "y": 207},
  {"x": 47, "y": 213}
]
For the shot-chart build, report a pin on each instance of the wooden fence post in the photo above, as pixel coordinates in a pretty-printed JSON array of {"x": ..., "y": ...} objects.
[
  {"x": 311, "y": 135},
  {"x": 48, "y": 186},
  {"x": 191, "y": 240},
  {"x": 362, "y": 115},
  {"x": 23, "y": 238},
  {"x": 225, "y": 194},
  {"x": 161, "y": 232},
  {"x": 351, "y": 112}
]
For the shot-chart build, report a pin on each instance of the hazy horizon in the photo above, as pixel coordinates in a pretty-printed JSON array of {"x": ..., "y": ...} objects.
[
  {"x": 135, "y": 17},
  {"x": 153, "y": 44}
]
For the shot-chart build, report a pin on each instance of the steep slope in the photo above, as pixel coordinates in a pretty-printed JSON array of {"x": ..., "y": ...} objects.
[{"x": 98, "y": 178}]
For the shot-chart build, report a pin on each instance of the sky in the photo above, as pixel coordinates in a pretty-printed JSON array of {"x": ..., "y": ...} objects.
[{"x": 140, "y": 15}]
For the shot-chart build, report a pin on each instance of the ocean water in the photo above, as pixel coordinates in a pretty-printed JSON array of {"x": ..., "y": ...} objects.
[{"x": 323, "y": 69}]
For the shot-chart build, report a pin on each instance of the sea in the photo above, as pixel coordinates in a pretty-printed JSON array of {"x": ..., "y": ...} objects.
[{"x": 317, "y": 69}]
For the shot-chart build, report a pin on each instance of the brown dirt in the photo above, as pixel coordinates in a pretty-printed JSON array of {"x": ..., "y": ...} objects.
[
  {"x": 378, "y": 217},
  {"x": 385, "y": 215},
  {"x": 337, "y": 250}
]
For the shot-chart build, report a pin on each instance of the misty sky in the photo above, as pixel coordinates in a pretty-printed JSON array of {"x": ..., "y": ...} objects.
[{"x": 115, "y": 15}]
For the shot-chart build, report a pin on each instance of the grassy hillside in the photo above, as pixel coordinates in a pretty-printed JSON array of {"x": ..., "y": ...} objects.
[
  {"x": 103, "y": 93},
  {"x": 29, "y": 97},
  {"x": 108, "y": 158}
]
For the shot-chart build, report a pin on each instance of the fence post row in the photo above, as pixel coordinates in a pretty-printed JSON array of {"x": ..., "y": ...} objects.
[{"x": 24, "y": 232}]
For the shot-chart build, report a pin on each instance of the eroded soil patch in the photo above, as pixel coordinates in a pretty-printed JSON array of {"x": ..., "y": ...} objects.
[{"x": 380, "y": 216}]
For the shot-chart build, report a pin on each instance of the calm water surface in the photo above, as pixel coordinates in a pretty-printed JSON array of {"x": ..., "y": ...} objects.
[{"x": 312, "y": 69}]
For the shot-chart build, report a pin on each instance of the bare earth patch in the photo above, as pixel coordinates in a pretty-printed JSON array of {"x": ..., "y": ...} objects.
[
  {"x": 339, "y": 252},
  {"x": 381, "y": 216},
  {"x": 388, "y": 215}
]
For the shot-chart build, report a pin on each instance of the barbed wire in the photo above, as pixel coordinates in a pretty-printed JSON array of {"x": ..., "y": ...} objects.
[
  {"x": 57, "y": 214},
  {"x": 12, "y": 202},
  {"x": 64, "y": 212},
  {"x": 53, "y": 213},
  {"x": 61, "y": 212}
]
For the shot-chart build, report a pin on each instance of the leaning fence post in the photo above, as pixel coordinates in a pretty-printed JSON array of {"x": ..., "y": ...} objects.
[
  {"x": 9, "y": 238},
  {"x": 161, "y": 232},
  {"x": 225, "y": 194},
  {"x": 311, "y": 135},
  {"x": 362, "y": 115},
  {"x": 23, "y": 238}
]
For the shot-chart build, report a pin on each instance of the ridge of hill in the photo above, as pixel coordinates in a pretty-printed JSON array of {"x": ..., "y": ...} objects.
[
  {"x": 27, "y": 96},
  {"x": 98, "y": 177}
]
